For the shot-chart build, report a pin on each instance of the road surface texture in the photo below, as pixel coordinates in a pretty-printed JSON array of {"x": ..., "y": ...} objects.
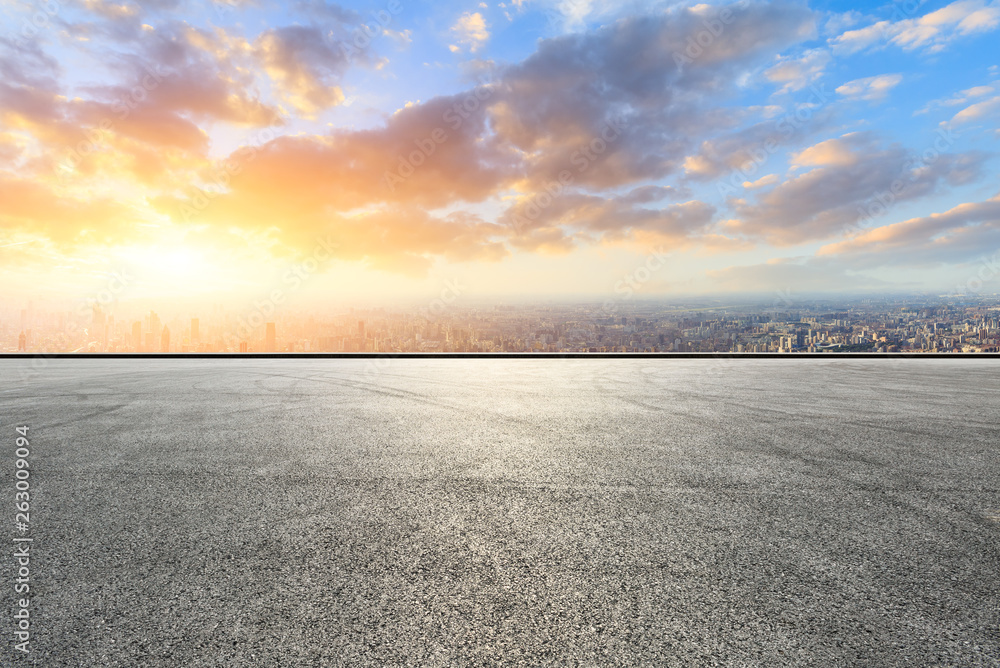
[{"x": 507, "y": 512}]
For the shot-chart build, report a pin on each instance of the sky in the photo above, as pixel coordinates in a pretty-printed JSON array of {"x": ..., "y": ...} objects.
[{"x": 369, "y": 151}]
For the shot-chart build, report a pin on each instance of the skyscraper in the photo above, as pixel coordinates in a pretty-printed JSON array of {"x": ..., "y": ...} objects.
[
  {"x": 137, "y": 336},
  {"x": 97, "y": 327},
  {"x": 154, "y": 324},
  {"x": 165, "y": 340},
  {"x": 270, "y": 344}
]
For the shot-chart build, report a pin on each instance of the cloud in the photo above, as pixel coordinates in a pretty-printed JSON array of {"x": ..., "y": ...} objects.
[
  {"x": 837, "y": 23},
  {"x": 305, "y": 67},
  {"x": 326, "y": 12},
  {"x": 305, "y": 63},
  {"x": 471, "y": 32},
  {"x": 853, "y": 41},
  {"x": 630, "y": 77},
  {"x": 24, "y": 63},
  {"x": 960, "y": 234},
  {"x": 403, "y": 240},
  {"x": 620, "y": 109},
  {"x": 740, "y": 154},
  {"x": 768, "y": 180},
  {"x": 797, "y": 73},
  {"x": 297, "y": 187},
  {"x": 650, "y": 194},
  {"x": 849, "y": 173},
  {"x": 784, "y": 274},
  {"x": 829, "y": 153},
  {"x": 624, "y": 116},
  {"x": 556, "y": 224},
  {"x": 985, "y": 109},
  {"x": 574, "y": 13},
  {"x": 932, "y": 32},
  {"x": 964, "y": 97},
  {"x": 37, "y": 209},
  {"x": 402, "y": 38},
  {"x": 175, "y": 69},
  {"x": 111, "y": 10},
  {"x": 873, "y": 89},
  {"x": 145, "y": 125},
  {"x": 11, "y": 147}
]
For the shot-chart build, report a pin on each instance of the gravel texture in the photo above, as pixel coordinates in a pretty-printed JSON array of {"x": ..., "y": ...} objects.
[{"x": 515, "y": 512}]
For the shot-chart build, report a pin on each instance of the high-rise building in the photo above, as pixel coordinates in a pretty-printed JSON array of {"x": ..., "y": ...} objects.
[
  {"x": 243, "y": 346},
  {"x": 22, "y": 343},
  {"x": 361, "y": 329},
  {"x": 165, "y": 340},
  {"x": 154, "y": 325},
  {"x": 137, "y": 336},
  {"x": 195, "y": 335},
  {"x": 270, "y": 343},
  {"x": 97, "y": 327}
]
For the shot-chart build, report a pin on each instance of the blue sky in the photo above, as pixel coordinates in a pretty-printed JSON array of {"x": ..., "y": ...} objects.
[{"x": 758, "y": 146}]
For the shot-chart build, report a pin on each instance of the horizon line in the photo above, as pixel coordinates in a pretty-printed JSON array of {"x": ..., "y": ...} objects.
[{"x": 501, "y": 355}]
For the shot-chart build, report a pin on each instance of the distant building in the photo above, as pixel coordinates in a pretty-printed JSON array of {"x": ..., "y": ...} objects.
[
  {"x": 154, "y": 327},
  {"x": 137, "y": 336},
  {"x": 97, "y": 327},
  {"x": 22, "y": 343},
  {"x": 165, "y": 340},
  {"x": 270, "y": 343}
]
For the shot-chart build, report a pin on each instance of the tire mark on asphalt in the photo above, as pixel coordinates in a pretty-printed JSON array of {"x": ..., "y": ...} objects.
[{"x": 97, "y": 413}]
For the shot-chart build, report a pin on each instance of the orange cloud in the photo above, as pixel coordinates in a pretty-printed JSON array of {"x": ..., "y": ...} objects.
[{"x": 36, "y": 209}]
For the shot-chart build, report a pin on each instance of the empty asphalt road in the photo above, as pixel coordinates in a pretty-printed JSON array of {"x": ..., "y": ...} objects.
[{"x": 486, "y": 512}]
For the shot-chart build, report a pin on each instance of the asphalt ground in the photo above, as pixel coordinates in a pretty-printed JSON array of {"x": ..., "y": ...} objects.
[{"x": 505, "y": 512}]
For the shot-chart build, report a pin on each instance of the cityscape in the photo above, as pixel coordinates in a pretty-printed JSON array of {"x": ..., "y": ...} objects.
[{"x": 784, "y": 325}]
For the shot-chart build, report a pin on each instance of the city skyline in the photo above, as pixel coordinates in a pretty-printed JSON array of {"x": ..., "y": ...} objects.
[
  {"x": 371, "y": 151},
  {"x": 787, "y": 324}
]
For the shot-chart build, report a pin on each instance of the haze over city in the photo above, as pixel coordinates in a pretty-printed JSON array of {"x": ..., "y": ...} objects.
[{"x": 785, "y": 324}]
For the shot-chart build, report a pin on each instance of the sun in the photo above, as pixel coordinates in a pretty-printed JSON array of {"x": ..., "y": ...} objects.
[{"x": 171, "y": 268}]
